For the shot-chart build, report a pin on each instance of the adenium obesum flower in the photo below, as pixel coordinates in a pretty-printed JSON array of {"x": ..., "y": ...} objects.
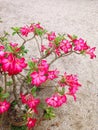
[
  {"x": 90, "y": 51},
  {"x": 56, "y": 100},
  {"x": 53, "y": 74},
  {"x": 4, "y": 106},
  {"x": 31, "y": 122},
  {"x": 12, "y": 64},
  {"x": 51, "y": 36},
  {"x": 43, "y": 73},
  {"x": 38, "y": 26},
  {"x": 14, "y": 47},
  {"x": 30, "y": 101},
  {"x": 38, "y": 78},
  {"x": 2, "y": 48},
  {"x": 43, "y": 66},
  {"x": 65, "y": 46},
  {"x": 13, "y": 44},
  {"x": 25, "y": 30},
  {"x": 28, "y": 29},
  {"x": 80, "y": 45},
  {"x": 72, "y": 82},
  {"x": 43, "y": 48},
  {"x": 2, "y": 54}
]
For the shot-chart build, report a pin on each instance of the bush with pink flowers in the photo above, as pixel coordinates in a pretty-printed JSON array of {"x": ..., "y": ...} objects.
[{"x": 23, "y": 78}]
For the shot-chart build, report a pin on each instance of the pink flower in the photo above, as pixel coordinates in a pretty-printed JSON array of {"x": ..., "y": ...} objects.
[
  {"x": 25, "y": 30},
  {"x": 38, "y": 26},
  {"x": 2, "y": 48},
  {"x": 2, "y": 54},
  {"x": 90, "y": 51},
  {"x": 43, "y": 66},
  {"x": 32, "y": 28},
  {"x": 57, "y": 51},
  {"x": 4, "y": 106},
  {"x": 23, "y": 98},
  {"x": 80, "y": 45},
  {"x": 13, "y": 44},
  {"x": 35, "y": 60},
  {"x": 14, "y": 47},
  {"x": 31, "y": 122},
  {"x": 13, "y": 65},
  {"x": 65, "y": 46},
  {"x": 30, "y": 101},
  {"x": 56, "y": 100},
  {"x": 51, "y": 36},
  {"x": 53, "y": 74},
  {"x": 72, "y": 82},
  {"x": 43, "y": 48},
  {"x": 38, "y": 78}
]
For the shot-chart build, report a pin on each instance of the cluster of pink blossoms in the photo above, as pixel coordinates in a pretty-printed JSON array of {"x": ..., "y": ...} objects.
[
  {"x": 66, "y": 46},
  {"x": 4, "y": 106},
  {"x": 31, "y": 122},
  {"x": 70, "y": 81},
  {"x": 9, "y": 62},
  {"x": 43, "y": 73},
  {"x": 56, "y": 100},
  {"x": 12, "y": 64},
  {"x": 30, "y": 101},
  {"x": 29, "y": 29}
]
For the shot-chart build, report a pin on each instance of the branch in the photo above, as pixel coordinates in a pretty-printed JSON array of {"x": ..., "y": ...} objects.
[
  {"x": 62, "y": 55},
  {"x": 38, "y": 45},
  {"x": 14, "y": 91},
  {"x": 5, "y": 80}
]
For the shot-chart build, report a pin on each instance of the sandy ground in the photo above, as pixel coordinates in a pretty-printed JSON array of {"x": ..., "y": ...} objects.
[{"x": 78, "y": 17}]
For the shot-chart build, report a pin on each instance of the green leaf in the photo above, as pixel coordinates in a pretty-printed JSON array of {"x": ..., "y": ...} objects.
[
  {"x": 1, "y": 89},
  {"x": 14, "y": 33},
  {"x": 49, "y": 113},
  {"x": 15, "y": 30},
  {"x": 59, "y": 39},
  {"x": 31, "y": 64},
  {"x": 14, "y": 103},
  {"x": 40, "y": 32},
  {"x": 18, "y": 127},
  {"x": 74, "y": 37},
  {"x": 28, "y": 78},
  {"x": 5, "y": 95},
  {"x": 9, "y": 83},
  {"x": 25, "y": 51},
  {"x": 22, "y": 47},
  {"x": 9, "y": 48},
  {"x": 33, "y": 90}
]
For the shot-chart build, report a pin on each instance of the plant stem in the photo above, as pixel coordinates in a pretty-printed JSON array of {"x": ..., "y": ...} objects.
[
  {"x": 38, "y": 45},
  {"x": 1, "y": 120},
  {"x": 62, "y": 55},
  {"x": 14, "y": 90},
  {"x": 5, "y": 80},
  {"x": 24, "y": 40}
]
